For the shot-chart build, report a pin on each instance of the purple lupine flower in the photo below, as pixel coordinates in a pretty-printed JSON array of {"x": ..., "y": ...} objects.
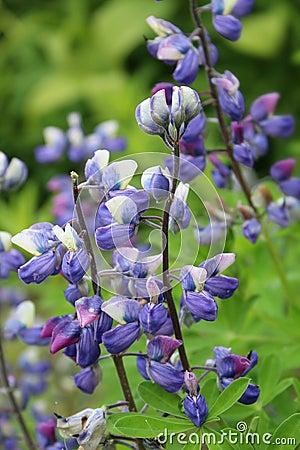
[
  {"x": 173, "y": 47},
  {"x": 156, "y": 182},
  {"x": 278, "y": 214},
  {"x": 214, "y": 232},
  {"x": 230, "y": 367},
  {"x": 126, "y": 312},
  {"x": 88, "y": 379},
  {"x": 180, "y": 214},
  {"x": 196, "y": 409},
  {"x": 262, "y": 110},
  {"x": 48, "y": 252},
  {"x": 251, "y": 229},
  {"x": 226, "y": 15},
  {"x": 88, "y": 309},
  {"x": 32, "y": 336},
  {"x": 157, "y": 368},
  {"x": 201, "y": 284},
  {"x": 155, "y": 319},
  {"x": 243, "y": 150},
  {"x": 231, "y": 99},
  {"x": 75, "y": 265},
  {"x": 123, "y": 217},
  {"x": 281, "y": 173},
  {"x": 221, "y": 174},
  {"x": 55, "y": 143},
  {"x": 13, "y": 174}
]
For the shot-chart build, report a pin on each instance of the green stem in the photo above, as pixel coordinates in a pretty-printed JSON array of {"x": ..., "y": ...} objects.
[{"x": 165, "y": 255}]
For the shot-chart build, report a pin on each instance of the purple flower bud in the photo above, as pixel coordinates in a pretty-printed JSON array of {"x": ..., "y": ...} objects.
[
  {"x": 166, "y": 376},
  {"x": 244, "y": 154},
  {"x": 71, "y": 352},
  {"x": 264, "y": 106},
  {"x": 144, "y": 119},
  {"x": 228, "y": 26},
  {"x": 278, "y": 126},
  {"x": 196, "y": 409},
  {"x": 156, "y": 182},
  {"x": 88, "y": 379},
  {"x": 161, "y": 348},
  {"x": 121, "y": 337},
  {"x": 191, "y": 383},
  {"x": 201, "y": 305},
  {"x": 291, "y": 187},
  {"x": 159, "y": 109},
  {"x": 251, "y": 229},
  {"x": 278, "y": 214},
  {"x": 75, "y": 291},
  {"x": 65, "y": 333},
  {"x": 88, "y": 350},
  {"x": 75, "y": 265},
  {"x": 221, "y": 286},
  {"x": 15, "y": 175},
  {"x": 88, "y": 309},
  {"x": 167, "y": 87},
  {"x": 282, "y": 170},
  {"x": 113, "y": 236},
  {"x": 180, "y": 214}
]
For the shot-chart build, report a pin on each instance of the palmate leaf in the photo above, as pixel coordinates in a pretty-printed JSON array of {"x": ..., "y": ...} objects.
[
  {"x": 229, "y": 397},
  {"x": 155, "y": 396}
]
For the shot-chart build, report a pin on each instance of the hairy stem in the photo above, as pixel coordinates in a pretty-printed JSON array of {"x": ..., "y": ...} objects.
[
  {"x": 165, "y": 246},
  {"x": 14, "y": 405}
]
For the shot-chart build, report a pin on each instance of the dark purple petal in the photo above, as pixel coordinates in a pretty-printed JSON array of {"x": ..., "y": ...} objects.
[
  {"x": 88, "y": 379},
  {"x": 264, "y": 106},
  {"x": 278, "y": 126},
  {"x": 187, "y": 68},
  {"x": 291, "y": 187},
  {"x": 66, "y": 332},
  {"x": 244, "y": 154},
  {"x": 228, "y": 26},
  {"x": 121, "y": 337},
  {"x": 166, "y": 376},
  {"x": 278, "y": 214},
  {"x": 38, "y": 268},
  {"x": 282, "y": 170},
  {"x": 113, "y": 236},
  {"x": 161, "y": 348},
  {"x": 221, "y": 286},
  {"x": 88, "y": 350},
  {"x": 101, "y": 325},
  {"x": 75, "y": 265},
  {"x": 142, "y": 367},
  {"x": 88, "y": 309},
  {"x": 153, "y": 317},
  {"x": 202, "y": 306}
]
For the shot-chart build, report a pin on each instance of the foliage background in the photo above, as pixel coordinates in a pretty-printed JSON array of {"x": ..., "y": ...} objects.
[{"x": 90, "y": 56}]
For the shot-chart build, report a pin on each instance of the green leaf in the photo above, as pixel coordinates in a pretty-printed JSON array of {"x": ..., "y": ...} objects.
[
  {"x": 215, "y": 441},
  {"x": 142, "y": 426},
  {"x": 229, "y": 396},
  {"x": 289, "y": 429},
  {"x": 188, "y": 441},
  {"x": 155, "y": 396},
  {"x": 269, "y": 375}
]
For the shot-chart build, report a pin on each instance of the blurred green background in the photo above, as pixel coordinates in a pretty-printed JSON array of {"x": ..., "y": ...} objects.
[{"x": 90, "y": 56}]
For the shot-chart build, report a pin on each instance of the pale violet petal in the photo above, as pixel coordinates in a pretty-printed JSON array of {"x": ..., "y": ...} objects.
[
  {"x": 199, "y": 275},
  {"x": 152, "y": 263},
  {"x": 68, "y": 237},
  {"x": 122, "y": 208},
  {"x": 101, "y": 158},
  {"x": 122, "y": 309},
  {"x": 182, "y": 191},
  {"x": 118, "y": 174},
  {"x": 93, "y": 430},
  {"x": 33, "y": 241}
]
